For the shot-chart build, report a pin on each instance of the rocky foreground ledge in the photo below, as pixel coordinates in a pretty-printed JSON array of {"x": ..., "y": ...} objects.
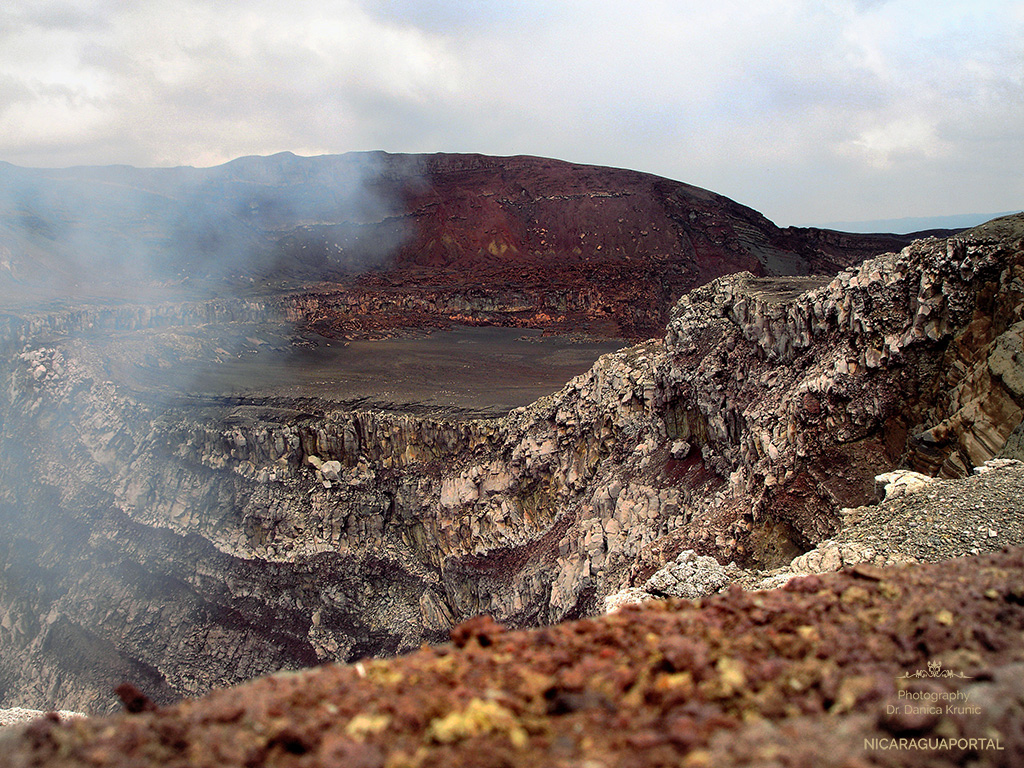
[{"x": 911, "y": 665}]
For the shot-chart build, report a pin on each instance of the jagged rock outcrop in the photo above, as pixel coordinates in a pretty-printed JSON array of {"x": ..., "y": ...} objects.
[
  {"x": 801, "y": 394},
  {"x": 690, "y": 576},
  {"x": 185, "y": 545},
  {"x": 831, "y": 556}
]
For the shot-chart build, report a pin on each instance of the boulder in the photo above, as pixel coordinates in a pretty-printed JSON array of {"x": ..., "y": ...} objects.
[
  {"x": 689, "y": 576},
  {"x": 899, "y": 482},
  {"x": 331, "y": 470}
]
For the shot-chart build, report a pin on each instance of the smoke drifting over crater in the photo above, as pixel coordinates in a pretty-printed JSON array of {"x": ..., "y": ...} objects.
[
  {"x": 189, "y": 233},
  {"x": 123, "y": 290}
]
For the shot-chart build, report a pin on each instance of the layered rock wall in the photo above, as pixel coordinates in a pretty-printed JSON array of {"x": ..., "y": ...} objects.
[
  {"x": 176, "y": 544},
  {"x": 182, "y": 545},
  {"x": 803, "y": 394}
]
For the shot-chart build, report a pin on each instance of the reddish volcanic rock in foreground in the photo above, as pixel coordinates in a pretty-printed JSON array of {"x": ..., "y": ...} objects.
[{"x": 919, "y": 665}]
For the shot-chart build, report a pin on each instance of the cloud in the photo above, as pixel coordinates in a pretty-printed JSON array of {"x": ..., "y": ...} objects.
[
  {"x": 900, "y": 137},
  {"x": 723, "y": 95}
]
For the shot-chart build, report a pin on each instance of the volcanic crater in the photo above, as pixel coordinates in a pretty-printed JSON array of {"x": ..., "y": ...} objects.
[{"x": 295, "y": 410}]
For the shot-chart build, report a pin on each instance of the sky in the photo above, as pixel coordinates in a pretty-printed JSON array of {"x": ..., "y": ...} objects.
[{"x": 809, "y": 111}]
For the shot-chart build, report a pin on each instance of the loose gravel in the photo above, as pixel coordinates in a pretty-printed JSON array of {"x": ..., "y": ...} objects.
[
  {"x": 811, "y": 675},
  {"x": 946, "y": 518}
]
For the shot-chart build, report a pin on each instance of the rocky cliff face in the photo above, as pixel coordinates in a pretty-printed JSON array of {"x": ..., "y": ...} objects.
[
  {"x": 899, "y": 361},
  {"x": 188, "y": 547},
  {"x": 184, "y": 544}
]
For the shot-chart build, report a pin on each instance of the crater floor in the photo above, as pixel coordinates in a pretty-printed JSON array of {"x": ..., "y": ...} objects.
[{"x": 462, "y": 370}]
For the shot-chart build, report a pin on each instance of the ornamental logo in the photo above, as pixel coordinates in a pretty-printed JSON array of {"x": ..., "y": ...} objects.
[{"x": 934, "y": 670}]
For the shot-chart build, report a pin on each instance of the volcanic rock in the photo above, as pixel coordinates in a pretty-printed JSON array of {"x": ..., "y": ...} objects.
[
  {"x": 915, "y": 666},
  {"x": 899, "y": 482},
  {"x": 801, "y": 397},
  {"x": 183, "y": 541},
  {"x": 689, "y": 576},
  {"x": 363, "y": 243}
]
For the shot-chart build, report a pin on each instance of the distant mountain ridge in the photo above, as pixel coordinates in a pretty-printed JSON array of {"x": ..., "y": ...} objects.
[
  {"x": 917, "y": 224},
  {"x": 544, "y": 240}
]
